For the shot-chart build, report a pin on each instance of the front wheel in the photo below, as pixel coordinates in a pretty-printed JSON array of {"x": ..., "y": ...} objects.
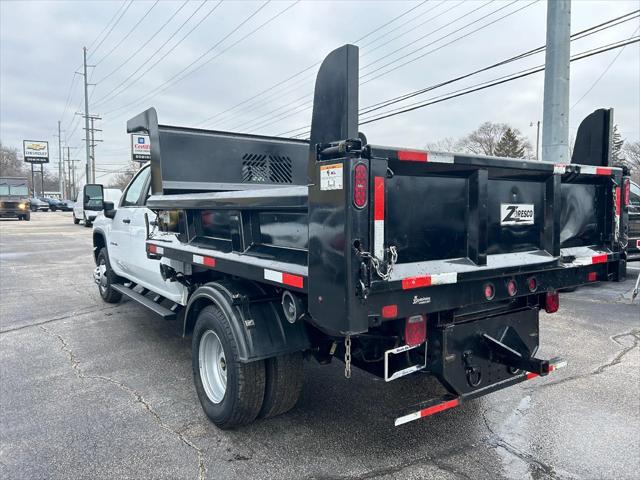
[
  {"x": 105, "y": 278},
  {"x": 229, "y": 391},
  {"x": 87, "y": 223},
  {"x": 76, "y": 221}
]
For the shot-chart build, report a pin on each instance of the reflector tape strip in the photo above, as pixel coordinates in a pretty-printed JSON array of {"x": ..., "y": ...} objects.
[
  {"x": 590, "y": 260},
  {"x": 378, "y": 217},
  {"x": 155, "y": 249},
  {"x": 435, "y": 157},
  {"x": 552, "y": 368},
  {"x": 429, "y": 280},
  {"x": 412, "y": 156},
  {"x": 425, "y": 412},
  {"x": 207, "y": 261},
  {"x": 618, "y": 200},
  {"x": 560, "y": 168},
  {"x": 591, "y": 170},
  {"x": 284, "y": 278},
  {"x": 637, "y": 243}
]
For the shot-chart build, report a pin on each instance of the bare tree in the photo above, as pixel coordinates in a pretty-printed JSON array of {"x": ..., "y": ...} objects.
[
  {"x": 484, "y": 139},
  {"x": 630, "y": 156},
  {"x": 122, "y": 178},
  {"x": 448, "y": 144}
]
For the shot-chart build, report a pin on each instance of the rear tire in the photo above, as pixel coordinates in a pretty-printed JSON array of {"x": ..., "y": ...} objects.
[
  {"x": 239, "y": 400},
  {"x": 106, "y": 290},
  {"x": 284, "y": 378}
]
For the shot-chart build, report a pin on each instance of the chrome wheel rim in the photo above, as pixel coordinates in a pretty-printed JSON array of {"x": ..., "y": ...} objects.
[
  {"x": 102, "y": 270},
  {"x": 213, "y": 366}
]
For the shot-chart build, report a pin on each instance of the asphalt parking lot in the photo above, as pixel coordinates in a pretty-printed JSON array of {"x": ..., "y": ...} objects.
[{"x": 91, "y": 390}]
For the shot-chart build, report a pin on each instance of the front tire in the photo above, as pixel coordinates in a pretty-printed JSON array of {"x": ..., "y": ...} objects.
[
  {"x": 107, "y": 278},
  {"x": 76, "y": 221},
  {"x": 229, "y": 391},
  {"x": 87, "y": 223},
  {"x": 27, "y": 216}
]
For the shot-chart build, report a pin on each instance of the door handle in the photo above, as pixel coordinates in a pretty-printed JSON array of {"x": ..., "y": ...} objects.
[{"x": 126, "y": 220}]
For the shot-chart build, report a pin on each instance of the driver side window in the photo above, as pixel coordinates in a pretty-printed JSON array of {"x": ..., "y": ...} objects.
[{"x": 132, "y": 195}]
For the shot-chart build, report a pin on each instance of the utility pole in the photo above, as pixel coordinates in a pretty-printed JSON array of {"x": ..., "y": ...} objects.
[
  {"x": 92, "y": 139},
  {"x": 86, "y": 115},
  {"x": 555, "y": 119},
  {"x": 60, "y": 163},
  {"x": 69, "y": 184}
]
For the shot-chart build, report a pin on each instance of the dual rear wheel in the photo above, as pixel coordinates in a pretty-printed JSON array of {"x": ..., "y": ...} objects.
[{"x": 233, "y": 393}]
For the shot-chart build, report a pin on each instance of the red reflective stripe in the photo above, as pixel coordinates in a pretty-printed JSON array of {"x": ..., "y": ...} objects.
[
  {"x": 416, "y": 282},
  {"x": 531, "y": 375},
  {"x": 378, "y": 209},
  {"x": 618, "y": 200},
  {"x": 592, "y": 276},
  {"x": 292, "y": 280},
  {"x": 208, "y": 261},
  {"x": 603, "y": 171},
  {"x": 439, "y": 408},
  {"x": 599, "y": 259},
  {"x": 412, "y": 156}
]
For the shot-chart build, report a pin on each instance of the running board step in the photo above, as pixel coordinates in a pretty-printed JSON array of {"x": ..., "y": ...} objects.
[{"x": 147, "y": 302}]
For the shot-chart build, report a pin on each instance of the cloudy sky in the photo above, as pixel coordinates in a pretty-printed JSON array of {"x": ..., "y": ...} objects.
[{"x": 220, "y": 65}]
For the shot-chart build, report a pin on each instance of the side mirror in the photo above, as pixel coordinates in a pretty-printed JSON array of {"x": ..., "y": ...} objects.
[
  {"x": 92, "y": 196},
  {"x": 109, "y": 209}
]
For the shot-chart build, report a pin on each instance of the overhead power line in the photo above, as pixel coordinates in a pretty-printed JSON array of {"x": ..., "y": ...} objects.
[
  {"x": 142, "y": 47},
  {"x": 135, "y": 25},
  {"x": 297, "y": 74},
  {"x": 107, "y": 25},
  {"x": 487, "y": 84},
  {"x": 95, "y": 49},
  {"x": 178, "y": 77},
  {"x": 123, "y": 86}
]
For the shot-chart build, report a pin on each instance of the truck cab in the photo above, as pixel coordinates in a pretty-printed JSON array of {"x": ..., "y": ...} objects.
[{"x": 14, "y": 198}]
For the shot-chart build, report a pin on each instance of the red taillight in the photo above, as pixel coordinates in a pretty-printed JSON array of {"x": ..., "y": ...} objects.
[
  {"x": 489, "y": 291},
  {"x": 360, "y": 183},
  {"x": 415, "y": 330},
  {"x": 390, "y": 311},
  {"x": 512, "y": 288},
  {"x": 627, "y": 191},
  {"x": 551, "y": 302},
  {"x": 532, "y": 283}
]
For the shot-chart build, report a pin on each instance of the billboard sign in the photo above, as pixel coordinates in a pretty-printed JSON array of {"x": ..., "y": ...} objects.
[
  {"x": 35, "y": 151},
  {"x": 140, "y": 148}
]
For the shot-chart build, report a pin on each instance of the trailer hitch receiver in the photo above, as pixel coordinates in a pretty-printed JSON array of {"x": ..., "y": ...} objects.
[{"x": 511, "y": 351}]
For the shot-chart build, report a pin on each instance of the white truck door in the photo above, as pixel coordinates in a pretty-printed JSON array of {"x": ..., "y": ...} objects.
[
  {"x": 148, "y": 270},
  {"x": 121, "y": 254}
]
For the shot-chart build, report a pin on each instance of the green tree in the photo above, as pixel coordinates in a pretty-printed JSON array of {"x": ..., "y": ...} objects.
[{"x": 509, "y": 145}]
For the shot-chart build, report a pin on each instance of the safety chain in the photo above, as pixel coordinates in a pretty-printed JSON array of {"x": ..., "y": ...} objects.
[
  {"x": 382, "y": 268},
  {"x": 347, "y": 356}
]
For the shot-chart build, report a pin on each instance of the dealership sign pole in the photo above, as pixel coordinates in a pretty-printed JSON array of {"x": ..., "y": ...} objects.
[{"x": 36, "y": 151}]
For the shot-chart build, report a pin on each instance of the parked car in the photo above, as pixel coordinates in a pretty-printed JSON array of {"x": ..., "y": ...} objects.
[
  {"x": 67, "y": 205},
  {"x": 35, "y": 204},
  {"x": 93, "y": 204},
  {"x": 54, "y": 203}
]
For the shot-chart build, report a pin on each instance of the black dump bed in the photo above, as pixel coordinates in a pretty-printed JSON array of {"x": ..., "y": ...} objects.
[{"x": 355, "y": 226}]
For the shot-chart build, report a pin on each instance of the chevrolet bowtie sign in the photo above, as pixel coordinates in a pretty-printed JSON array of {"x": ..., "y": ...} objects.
[
  {"x": 35, "y": 151},
  {"x": 140, "y": 148}
]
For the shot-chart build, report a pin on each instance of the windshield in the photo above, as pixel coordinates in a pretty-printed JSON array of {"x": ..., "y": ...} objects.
[{"x": 19, "y": 190}]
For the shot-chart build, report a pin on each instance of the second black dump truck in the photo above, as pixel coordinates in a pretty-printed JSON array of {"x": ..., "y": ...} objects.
[{"x": 392, "y": 260}]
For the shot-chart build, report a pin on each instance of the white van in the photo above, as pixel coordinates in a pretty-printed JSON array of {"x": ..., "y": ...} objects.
[{"x": 88, "y": 216}]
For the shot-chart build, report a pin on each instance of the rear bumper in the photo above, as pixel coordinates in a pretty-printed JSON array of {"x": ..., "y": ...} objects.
[{"x": 446, "y": 402}]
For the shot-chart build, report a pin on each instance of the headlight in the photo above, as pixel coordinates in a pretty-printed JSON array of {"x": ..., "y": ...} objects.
[{"x": 22, "y": 206}]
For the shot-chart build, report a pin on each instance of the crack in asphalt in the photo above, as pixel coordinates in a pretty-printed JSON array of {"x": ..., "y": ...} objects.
[
  {"x": 58, "y": 319},
  {"x": 617, "y": 359},
  {"x": 497, "y": 441},
  {"x": 75, "y": 365}
]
